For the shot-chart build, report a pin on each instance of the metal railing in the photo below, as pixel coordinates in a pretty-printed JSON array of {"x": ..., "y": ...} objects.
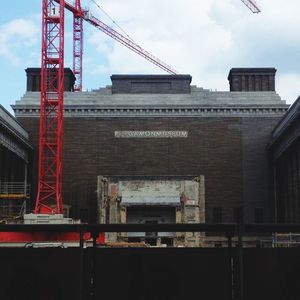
[{"x": 14, "y": 190}]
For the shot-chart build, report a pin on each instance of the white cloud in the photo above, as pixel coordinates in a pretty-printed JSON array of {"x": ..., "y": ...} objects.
[
  {"x": 289, "y": 86},
  {"x": 16, "y": 37},
  {"x": 169, "y": 30},
  {"x": 100, "y": 41},
  {"x": 205, "y": 38},
  {"x": 99, "y": 69}
]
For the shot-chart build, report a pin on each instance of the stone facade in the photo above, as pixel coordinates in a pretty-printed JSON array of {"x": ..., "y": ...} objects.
[
  {"x": 159, "y": 199},
  {"x": 227, "y": 134},
  {"x": 15, "y": 156}
]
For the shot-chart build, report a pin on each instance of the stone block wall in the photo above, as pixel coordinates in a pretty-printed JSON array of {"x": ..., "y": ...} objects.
[{"x": 229, "y": 152}]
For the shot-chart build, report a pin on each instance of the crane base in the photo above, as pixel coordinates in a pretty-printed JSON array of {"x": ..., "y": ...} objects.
[
  {"x": 25, "y": 237},
  {"x": 48, "y": 219}
]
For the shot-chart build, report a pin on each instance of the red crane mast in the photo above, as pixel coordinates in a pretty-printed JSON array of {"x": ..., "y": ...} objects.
[{"x": 49, "y": 198}]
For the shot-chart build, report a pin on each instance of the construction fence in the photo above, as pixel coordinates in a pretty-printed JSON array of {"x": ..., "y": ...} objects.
[{"x": 100, "y": 272}]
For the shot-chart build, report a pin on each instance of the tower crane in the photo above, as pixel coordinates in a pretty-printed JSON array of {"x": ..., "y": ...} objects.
[
  {"x": 251, "y": 4},
  {"x": 49, "y": 196}
]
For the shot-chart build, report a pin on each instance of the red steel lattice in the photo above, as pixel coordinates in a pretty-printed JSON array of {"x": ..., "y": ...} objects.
[
  {"x": 49, "y": 198},
  {"x": 77, "y": 46}
]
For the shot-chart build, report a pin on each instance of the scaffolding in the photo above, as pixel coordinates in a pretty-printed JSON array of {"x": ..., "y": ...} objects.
[
  {"x": 13, "y": 199},
  {"x": 286, "y": 240},
  {"x": 280, "y": 240}
]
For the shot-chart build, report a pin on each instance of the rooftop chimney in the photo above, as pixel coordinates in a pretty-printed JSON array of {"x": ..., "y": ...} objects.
[
  {"x": 34, "y": 79},
  {"x": 252, "y": 79}
]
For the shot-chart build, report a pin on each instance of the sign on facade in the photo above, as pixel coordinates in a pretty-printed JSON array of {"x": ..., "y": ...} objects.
[{"x": 151, "y": 134}]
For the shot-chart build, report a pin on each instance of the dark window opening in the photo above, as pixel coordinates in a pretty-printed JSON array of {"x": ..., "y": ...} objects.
[
  {"x": 151, "y": 237},
  {"x": 167, "y": 241},
  {"x": 134, "y": 239},
  {"x": 217, "y": 215}
]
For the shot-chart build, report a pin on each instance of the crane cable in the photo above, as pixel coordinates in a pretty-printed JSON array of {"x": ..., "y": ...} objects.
[{"x": 117, "y": 25}]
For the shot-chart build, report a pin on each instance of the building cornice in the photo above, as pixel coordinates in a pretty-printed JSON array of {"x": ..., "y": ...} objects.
[
  {"x": 159, "y": 111},
  {"x": 12, "y": 128}
]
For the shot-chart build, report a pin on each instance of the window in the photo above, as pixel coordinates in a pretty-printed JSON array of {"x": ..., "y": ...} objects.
[
  {"x": 217, "y": 215},
  {"x": 84, "y": 215},
  {"x": 237, "y": 215},
  {"x": 258, "y": 215}
]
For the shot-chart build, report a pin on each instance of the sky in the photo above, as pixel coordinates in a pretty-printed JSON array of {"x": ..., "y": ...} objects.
[{"x": 203, "y": 38}]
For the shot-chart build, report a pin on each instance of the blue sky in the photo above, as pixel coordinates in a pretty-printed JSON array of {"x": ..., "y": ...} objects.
[{"x": 204, "y": 38}]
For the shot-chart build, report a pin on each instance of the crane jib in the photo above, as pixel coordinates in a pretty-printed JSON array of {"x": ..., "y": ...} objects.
[{"x": 87, "y": 16}]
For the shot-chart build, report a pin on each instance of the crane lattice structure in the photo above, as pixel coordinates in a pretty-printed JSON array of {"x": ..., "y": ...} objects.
[
  {"x": 251, "y": 4},
  {"x": 49, "y": 196}
]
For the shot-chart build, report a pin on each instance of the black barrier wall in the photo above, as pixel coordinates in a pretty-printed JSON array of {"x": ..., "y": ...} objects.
[
  {"x": 34, "y": 274},
  {"x": 148, "y": 274},
  {"x": 271, "y": 274},
  {"x": 152, "y": 273},
  {"x": 124, "y": 273},
  {"x": 162, "y": 274}
]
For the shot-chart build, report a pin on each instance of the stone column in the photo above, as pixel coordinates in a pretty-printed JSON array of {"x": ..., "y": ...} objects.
[
  {"x": 179, "y": 239},
  {"x": 113, "y": 210},
  {"x": 101, "y": 199}
]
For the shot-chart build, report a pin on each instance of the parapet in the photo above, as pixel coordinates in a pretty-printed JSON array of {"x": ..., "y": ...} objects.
[
  {"x": 151, "y": 84},
  {"x": 34, "y": 79}
]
